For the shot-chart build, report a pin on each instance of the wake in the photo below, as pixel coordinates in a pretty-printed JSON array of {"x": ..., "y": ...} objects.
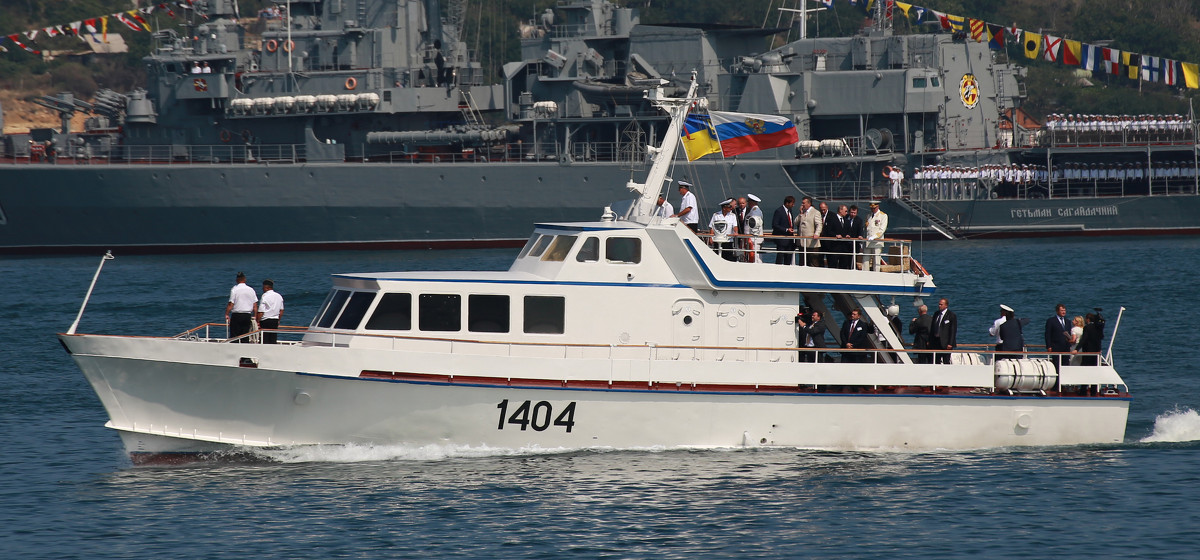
[{"x": 1175, "y": 425}]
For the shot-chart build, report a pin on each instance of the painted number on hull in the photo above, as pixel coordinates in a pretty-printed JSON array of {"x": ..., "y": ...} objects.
[{"x": 536, "y": 416}]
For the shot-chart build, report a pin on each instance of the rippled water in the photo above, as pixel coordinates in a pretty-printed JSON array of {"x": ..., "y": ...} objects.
[{"x": 69, "y": 492}]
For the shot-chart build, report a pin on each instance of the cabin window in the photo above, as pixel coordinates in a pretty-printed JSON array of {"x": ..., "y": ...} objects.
[
  {"x": 394, "y": 313},
  {"x": 487, "y": 313},
  {"x": 529, "y": 245},
  {"x": 623, "y": 250},
  {"x": 933, "y": 81},
  {"x": 336, "y": 300},
  {"x": 356, "y": 308},
  {"x": 440, "y": 312},
  {"x": 545, "y": 314},
  {"x": 559, "y": 249},
  {"x": 321, "y": 310},
  {"x": 919, "y": 83},
  {"x": 540, "y": 245},
  {"x": 590, "y": 251}
]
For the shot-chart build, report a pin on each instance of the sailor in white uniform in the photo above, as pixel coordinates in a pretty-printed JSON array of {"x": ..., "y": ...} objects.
[
  {"x": 723, "y": 224},
  {"x": 754, "y": 227}
]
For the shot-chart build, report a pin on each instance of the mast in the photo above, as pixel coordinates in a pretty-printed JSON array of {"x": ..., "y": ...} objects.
[{"x": 664, "y": 154}]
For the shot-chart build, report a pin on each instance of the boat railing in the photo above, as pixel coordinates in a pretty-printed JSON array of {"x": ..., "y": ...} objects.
[
  {"x": 894, "y": 255},
  {"x": 965, "y": 354},
  {"x": 967, "y": 189},
  {"x": 1118, "y": 136}
]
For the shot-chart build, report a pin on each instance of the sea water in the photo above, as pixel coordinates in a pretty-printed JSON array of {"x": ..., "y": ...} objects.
[{"x": 68, "y": 491}]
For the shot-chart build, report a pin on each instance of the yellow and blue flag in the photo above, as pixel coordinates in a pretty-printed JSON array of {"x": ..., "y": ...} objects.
[{"x": 699, "y": 137}]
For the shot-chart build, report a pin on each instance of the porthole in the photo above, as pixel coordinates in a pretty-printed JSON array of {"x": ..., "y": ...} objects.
[{"x": 687, "y": 319}]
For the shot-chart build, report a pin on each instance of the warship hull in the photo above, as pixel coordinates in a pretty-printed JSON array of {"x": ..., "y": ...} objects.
[{"x": 202, "y": 208}]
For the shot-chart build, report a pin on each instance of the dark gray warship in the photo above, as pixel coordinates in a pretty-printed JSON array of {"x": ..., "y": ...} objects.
[{"x": 368, "y": 124}]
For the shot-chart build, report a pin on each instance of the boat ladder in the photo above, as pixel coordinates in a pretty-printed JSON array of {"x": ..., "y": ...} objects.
[
  {"x": 939, "y": 225},
  {"x": 469, "y": 111}
]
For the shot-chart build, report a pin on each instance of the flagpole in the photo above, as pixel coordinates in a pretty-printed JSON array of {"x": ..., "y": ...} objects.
[{"x": 108, "y": 256}]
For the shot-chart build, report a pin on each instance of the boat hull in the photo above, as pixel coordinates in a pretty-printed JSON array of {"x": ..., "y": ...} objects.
[{"x": 200, "y": 401}]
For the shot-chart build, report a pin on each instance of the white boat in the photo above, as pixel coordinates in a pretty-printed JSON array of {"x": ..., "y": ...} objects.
[{"x": 627, "y": 332}]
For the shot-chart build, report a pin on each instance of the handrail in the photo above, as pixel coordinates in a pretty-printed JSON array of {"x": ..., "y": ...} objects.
[
  {"x": 964, "y": 349},
  {"x": 857, "y": 251}
]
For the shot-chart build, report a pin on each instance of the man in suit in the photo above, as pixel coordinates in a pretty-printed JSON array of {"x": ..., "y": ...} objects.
[
  {"x": 943, "y": 332},
  {"x": 823, "y": 256},
  {"x": 838, "y": 227},
  {"x": 919, "y": 328},
  {"x": 858, "y": 230},
  {"x": 812, "y": 336},
  {"x": 1058, "y": 334},
  {"x": 856, "y": 336},
  {"x": 781, "y": 224},
  {"x": 808, "y": 226}
]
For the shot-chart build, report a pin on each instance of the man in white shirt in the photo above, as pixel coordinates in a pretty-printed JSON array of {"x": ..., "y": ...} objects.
[
  {"x": 270, "y": 310},
  {"x": 688, "y": 212},
  {"x": 243, "y": 304},
  {"x": 723, "y": 224},
  {"x": 663, "y": 209},
  {"x": 877, "y": 224},
  {"x": 753, "y": 227}
]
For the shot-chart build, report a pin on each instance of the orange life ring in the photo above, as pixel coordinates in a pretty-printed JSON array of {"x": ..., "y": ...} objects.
[
  {"x": 351, "y": 83},
  {"x": 288, "y": 46},
  {"x": 225, "y": 135},
  {"x": 835, "y": 172},
  {"x": 272, "y": 45}
]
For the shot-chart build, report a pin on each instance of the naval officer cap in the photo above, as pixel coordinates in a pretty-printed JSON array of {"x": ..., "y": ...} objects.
[
  {"x": 754, "y": 198},
  {"x": 684, "y": 184},
  {"x": 1005, "y": 308},
  {"x": 727, "y": 202}
]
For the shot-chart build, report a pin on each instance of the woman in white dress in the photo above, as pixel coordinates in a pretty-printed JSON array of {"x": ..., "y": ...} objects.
[{"x": 1076, "y": 337}]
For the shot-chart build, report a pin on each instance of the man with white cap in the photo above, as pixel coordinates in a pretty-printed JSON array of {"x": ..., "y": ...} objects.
[
  {"x": 688, "y": 213},
  {"x": 1009, "y": 336},
  {"x": 723, "y": 224},
  {"x": 994, "y": 330},
  {"x": 753, "y": 227},
  {"x": 877, "y": 224}
]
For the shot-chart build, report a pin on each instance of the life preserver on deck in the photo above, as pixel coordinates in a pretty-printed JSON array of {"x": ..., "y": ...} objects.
[
  {"x": 225, "y": 135},
  {"x": 351, "y": 83},
  {"x": 288, "y": 46},
  {"x": 836, "y": 172},
  {"x": 272, "y": 45}
]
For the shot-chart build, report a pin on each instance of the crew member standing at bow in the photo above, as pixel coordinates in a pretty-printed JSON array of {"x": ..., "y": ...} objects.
[{"x": 243, "y": 304}]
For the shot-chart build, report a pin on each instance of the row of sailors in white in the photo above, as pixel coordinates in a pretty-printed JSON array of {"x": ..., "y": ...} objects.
[
  {"x": 1112, "y": 124},
  {"x": 1124, "y": 171},
  {"x": 1012, "y": 173}
]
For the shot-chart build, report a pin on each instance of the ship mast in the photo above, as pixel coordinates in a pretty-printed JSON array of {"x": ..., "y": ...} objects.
[{"x": 664, "y": 154}]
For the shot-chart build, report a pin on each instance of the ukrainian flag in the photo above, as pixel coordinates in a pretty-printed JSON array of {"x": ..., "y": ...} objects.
[{"x": 699, "y": 138}]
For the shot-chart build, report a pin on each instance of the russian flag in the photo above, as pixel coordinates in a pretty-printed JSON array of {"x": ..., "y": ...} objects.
[{"x": 741, "y": 133}]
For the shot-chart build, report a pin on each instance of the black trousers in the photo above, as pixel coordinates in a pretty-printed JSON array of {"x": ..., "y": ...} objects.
[
  {"x": 265, "y": 324},
  {"x": 239, "y": 324}
]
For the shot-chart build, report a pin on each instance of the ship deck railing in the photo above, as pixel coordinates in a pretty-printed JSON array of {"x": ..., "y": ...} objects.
[
  {"x": 170, "y": 155},
  {"x": 1117, "y": 138},
  {"x": 968, "y": 189},
  {"x": 963, "y": 354},
  {"x": 895, "y": 255}
]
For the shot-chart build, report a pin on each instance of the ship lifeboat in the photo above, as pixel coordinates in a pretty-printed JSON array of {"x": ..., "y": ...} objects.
[
  {"x": 242, "y": 106},
  {"x": 264, "y": 104},
  {"x": 345, "y": 101},
  {"x": 326, "y": 102},
  {"x": 367, "y": 100},
  {"x": 284, "y": 104},
  {"x": 305, "y": 103}
]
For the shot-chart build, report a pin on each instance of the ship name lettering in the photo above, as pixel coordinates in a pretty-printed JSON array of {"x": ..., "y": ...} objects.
[
  {"x": 1088, "y": 211},
  {"x": 536, "y": 415},
  {"x": 1031, "y": 213}
]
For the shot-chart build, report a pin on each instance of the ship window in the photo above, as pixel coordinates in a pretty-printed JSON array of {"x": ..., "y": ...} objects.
[
  {"x": 355, "y": 309},
  {"x": 529, "y": 245},
  {"x": 539, "y": 247},
  {"x": 590, "y": 251},
  {"x": 336, "y": 300},
  {"x": 623, "y": 250},
  {"x": 394, "y": 313},
  {"x": 919, "y": 83},
  {"x": 544, "y": 314},
  {"x": 933, "y": 81},
  {"x": 321, "y": 310},
  {"x": 487, "y": 313},
  {"x": 559, "y": 249},
  {"x": 439, "y": 312}
]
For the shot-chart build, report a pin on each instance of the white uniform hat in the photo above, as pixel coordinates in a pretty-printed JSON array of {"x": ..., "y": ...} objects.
[
  {"x": 1005, "y": 308},
  {"x": 754, "y": 198}
]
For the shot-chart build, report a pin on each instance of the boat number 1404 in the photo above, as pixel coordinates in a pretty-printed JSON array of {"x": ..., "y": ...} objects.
[{"x": 535, "y": 415}]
